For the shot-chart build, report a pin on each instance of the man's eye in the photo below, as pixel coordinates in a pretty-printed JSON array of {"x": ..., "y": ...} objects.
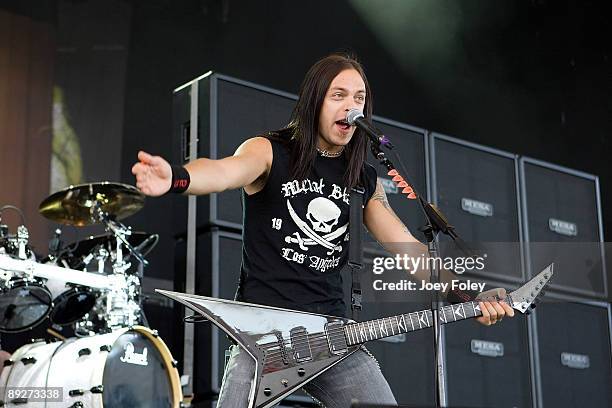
[{"x": 361, "y": 98}]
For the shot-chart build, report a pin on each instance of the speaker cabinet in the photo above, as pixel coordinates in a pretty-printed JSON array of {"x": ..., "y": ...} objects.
[
  {"x": 563, "y": 225},
  {"x": 573, "y": 344},
  {"x": 227, "y": 111},
  {"x": 489, "y": 366},
  {"x": 476, "y": 187}
]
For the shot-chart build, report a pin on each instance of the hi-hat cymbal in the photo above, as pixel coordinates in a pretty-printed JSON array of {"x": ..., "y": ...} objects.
[{"x": 75, "y": 205}]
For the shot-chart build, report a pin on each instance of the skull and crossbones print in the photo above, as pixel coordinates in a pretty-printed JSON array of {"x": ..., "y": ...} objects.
[{"x": 322, "y": 217}]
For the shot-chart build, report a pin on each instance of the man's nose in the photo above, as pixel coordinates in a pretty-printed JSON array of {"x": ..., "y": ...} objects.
[{"x": 349, "y": 106}]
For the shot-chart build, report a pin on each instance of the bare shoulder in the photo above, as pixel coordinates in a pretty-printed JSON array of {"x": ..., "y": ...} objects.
[
  {"x": 258, "y": 148},
  {"x": 256, "y": 154}
]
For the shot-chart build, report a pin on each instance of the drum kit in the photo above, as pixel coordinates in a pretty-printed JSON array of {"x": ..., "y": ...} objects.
[{"x": 94, "y": 287}]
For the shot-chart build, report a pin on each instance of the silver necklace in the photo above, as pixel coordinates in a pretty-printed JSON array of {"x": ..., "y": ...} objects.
[{"x": 326, "y": 153}]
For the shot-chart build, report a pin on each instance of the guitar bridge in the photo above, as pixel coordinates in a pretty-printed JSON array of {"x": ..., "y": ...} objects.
[{"x": 334, "y": 331}]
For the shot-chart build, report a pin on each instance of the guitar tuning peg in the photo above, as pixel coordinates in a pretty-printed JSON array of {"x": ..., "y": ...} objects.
[
  {"x": 533, "y": 305},
  {"x": 528, "y": 311}
]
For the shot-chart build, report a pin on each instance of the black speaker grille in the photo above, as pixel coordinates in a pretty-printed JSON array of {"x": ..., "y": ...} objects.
[
  {"x": 581, "y": 330},
  {"x": 481, "y": 380},
  {"x": 467, "y": 175},
  {"x": 244, "y": 112},
  {"x": 556, "y": 196}
]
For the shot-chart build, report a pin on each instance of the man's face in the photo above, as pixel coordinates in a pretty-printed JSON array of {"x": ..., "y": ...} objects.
[{"x": 346, "y": 92}]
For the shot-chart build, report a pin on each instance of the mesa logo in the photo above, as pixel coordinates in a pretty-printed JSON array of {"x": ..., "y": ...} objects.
[
  {"x": 487, "y": 348},
  {"x": 563, "y": 227},
  {"x": 579, "y": 361},
  {"x": 477, "y": 207}
]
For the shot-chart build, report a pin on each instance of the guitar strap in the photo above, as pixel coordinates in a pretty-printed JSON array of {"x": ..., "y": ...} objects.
[{"x": 355, "y": 256}]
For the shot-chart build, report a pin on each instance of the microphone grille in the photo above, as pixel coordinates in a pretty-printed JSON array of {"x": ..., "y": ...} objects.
[{"x": 353, "y": 115}]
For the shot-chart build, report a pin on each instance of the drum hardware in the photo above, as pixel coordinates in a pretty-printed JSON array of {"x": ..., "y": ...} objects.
[
  {"x": 15, "y": 245},
  {"x": 80, "y": 254},
  {"x": 49, "y": 271},
  {"x": 100, "y": 297},
  {"x": 55, "y": 245},
  {"x": 97, "y": 203},
  {"x": 120, "y": 231},
  {"x": 26, "y": 290},
  {"x": 22, "y": 241}
]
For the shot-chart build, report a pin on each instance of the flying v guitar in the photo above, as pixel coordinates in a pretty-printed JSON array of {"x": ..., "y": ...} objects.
[{"x": 291, "y": 348}]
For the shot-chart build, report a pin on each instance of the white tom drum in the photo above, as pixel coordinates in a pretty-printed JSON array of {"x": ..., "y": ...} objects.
[{"x": 125, "y": 368}]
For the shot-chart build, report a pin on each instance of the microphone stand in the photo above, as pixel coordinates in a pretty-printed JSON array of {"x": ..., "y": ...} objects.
[{"x": 435, "y": 223}]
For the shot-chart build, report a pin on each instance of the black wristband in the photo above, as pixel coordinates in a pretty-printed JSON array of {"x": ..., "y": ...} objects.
[
  {"x": 455, "y": 296},
  {"x": 180, "y": 179}
]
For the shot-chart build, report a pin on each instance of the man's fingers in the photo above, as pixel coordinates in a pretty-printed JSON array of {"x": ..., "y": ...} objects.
[
  {"x": 508, "y": 309},
  {"x": 499, "y": 309},
  {"x": 139, "y": 169},
  {"x": 485, "y": 313},
  {"x": 492, "y": 312},
  {"x": 149, "y": 159}
]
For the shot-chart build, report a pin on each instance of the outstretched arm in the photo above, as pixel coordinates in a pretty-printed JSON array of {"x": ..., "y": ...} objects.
[{"x": 248, "y": 166}]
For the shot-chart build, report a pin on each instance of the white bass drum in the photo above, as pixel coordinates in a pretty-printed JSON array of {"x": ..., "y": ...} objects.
[{"x": 125, "y": 368}]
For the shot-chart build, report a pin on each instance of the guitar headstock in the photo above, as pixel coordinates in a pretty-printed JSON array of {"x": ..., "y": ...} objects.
[{"x": 524, "y": 297}]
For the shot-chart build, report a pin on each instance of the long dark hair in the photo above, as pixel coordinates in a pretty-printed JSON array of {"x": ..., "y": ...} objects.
[{"x": 303, "y": 128}]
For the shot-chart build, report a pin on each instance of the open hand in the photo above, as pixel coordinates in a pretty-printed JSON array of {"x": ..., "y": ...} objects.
[{"x": 153, "y": 174}]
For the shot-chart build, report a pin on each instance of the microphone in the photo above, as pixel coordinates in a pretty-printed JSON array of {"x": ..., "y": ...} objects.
[{"x": 356, "y": 118}]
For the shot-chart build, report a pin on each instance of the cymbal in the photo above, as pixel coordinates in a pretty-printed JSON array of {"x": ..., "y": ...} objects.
[{"x": 74, "y": 205}]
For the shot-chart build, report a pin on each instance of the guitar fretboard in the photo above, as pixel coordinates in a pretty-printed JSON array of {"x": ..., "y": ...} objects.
[{"x": 357, "y": 333}]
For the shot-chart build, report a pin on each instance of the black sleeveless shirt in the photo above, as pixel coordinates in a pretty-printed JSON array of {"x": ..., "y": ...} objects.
[{"x": 295, "y": 236}]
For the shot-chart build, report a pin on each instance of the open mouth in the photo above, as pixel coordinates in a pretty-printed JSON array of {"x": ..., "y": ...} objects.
[{"x": 344, "y": 125}]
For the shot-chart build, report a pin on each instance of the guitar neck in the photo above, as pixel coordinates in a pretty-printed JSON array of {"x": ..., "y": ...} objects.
[{"x": 357, "y": 333}]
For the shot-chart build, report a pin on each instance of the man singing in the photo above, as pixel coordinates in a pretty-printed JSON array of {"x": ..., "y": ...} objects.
[{"x": 302, "y": 174}]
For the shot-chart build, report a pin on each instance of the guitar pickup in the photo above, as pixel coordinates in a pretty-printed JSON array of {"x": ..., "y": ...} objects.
[
  {"x": 334, "y": 331},
  {"x": 300, "y": 344}
]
